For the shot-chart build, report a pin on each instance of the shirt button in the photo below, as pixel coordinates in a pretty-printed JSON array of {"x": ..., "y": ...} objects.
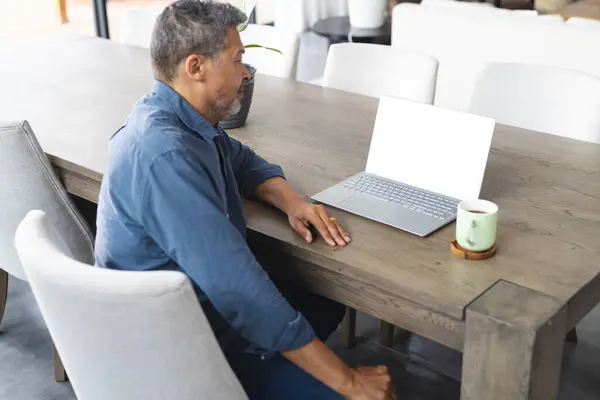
[{"x": 228, "y": 216}]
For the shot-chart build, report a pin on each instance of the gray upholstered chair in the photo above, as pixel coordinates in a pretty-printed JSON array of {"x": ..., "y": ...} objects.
[
  {"x": 123, "y": 334},
  {"x": 27, "y": 182}
]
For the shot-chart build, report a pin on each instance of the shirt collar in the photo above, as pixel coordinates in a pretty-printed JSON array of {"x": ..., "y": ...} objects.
[{"x": 185, "y": 111}]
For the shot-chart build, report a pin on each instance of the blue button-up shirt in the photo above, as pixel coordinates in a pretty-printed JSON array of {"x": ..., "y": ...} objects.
[{"x": 171, "y": 200}]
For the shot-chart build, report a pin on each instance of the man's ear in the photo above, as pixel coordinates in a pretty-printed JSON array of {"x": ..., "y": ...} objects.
[{"x": 196, "y": 67}]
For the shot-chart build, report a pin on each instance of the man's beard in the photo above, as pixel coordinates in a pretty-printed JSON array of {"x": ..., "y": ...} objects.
[
  {"x": 235, "y": 107},
  {"x": 223, "y": 109}
]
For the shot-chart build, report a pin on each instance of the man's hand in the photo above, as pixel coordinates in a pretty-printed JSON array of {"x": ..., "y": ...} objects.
[
  {"x": 369, "y": 383},
  {"x": 362, "y": 383},
  {"x": 301, "y": 213}
]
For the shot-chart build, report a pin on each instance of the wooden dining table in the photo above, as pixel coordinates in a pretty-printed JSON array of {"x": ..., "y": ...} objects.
[{"x": 508, "y": 315}]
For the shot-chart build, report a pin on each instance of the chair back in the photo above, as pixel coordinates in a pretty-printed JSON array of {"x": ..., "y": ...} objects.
[
  {"x": 463, "y": 43},
  {"x": 122, "y": 334},
  {"x": 542, "y": 98},
  {"x": 378, "y": 70},
  {"x": 138, "y": 22},
  {"x": 267, "y": 61},
  {"x": 587, "y": 22},
  {"x": 28, "y": 181},
  {"x": 300, "y": 15}
]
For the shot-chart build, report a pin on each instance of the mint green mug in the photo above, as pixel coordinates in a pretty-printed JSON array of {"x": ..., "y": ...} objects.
[{"x": 476, "y": 224}]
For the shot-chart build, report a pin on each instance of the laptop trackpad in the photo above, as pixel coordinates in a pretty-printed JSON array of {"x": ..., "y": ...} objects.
[{"x": 389, "y": 214}]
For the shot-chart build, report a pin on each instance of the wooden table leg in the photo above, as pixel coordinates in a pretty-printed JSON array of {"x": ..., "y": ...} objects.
[
  {"x": 3, "y": 292},
  {"x": 61, "y": 7},
  {"x": 349, "y": 328},
  {"x": 60, "y": 375},
  {"x": 514, "y": 340}
]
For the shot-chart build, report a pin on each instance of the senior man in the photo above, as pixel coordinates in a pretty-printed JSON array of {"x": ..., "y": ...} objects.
[{"x": 171, "y": 199}]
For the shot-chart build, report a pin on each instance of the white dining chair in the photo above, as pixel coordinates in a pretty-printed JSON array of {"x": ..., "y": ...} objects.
[
  {"x": 377, "y": 70},
  {"x": 123, "y": 334},
  {"x": 300, "y": 15},
  {"x": 266, "y": 61},
  {"x": 138, "y": 22},
  {"x": 471, "y": 5},
  {"x": 463, "y": 45},
  {"x": 587, "y": 22},
  {"x": 28, "y": 181},
  {"x": 541, "y": 98}
]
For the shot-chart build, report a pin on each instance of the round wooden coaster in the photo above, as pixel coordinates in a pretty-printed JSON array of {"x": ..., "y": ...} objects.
[{"x": 458, "y": 251}]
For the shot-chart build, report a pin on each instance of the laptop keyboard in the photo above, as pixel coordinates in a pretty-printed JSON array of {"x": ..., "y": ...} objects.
[{"x": 406, "y": 196}]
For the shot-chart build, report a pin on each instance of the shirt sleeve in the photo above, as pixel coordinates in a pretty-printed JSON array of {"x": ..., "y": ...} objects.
[
  {"x": 249, "y": 168},
  {"x": 183, "y": 214}
]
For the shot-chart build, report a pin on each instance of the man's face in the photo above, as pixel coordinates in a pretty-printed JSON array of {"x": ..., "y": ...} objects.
[{"x": 225, "y": 77}]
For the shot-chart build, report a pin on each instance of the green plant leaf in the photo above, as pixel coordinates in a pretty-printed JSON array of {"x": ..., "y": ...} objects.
[
  {"x": 249, "y": 46},
  {"x": 248, "y": 11},
  {"x": 242, "y": 27}
]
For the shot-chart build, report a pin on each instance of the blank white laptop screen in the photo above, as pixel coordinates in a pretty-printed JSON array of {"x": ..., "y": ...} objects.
[{"x": 432, "y": 148}]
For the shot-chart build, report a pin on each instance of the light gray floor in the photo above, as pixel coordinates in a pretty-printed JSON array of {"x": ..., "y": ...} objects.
[{"x": 421, "y": 369}]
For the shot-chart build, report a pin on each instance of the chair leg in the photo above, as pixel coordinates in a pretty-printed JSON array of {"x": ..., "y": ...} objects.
[
  {"x": 349, "y": 328},
  {"x": 386, "y": 334},
  {"x": 60, "y": 375},
  {"x": 572, "y": 336},
  {"x": 3, "y": 292}
]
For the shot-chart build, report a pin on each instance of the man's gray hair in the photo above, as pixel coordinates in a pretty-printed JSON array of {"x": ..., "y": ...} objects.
[{"x": 189, "y": 27}]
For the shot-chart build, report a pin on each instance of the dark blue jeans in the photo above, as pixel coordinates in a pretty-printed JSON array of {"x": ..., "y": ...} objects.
[{"x": 276, "y": 378}]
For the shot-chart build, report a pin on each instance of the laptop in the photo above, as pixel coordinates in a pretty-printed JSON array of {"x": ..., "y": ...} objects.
[{"x": 423, "y": 160}]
